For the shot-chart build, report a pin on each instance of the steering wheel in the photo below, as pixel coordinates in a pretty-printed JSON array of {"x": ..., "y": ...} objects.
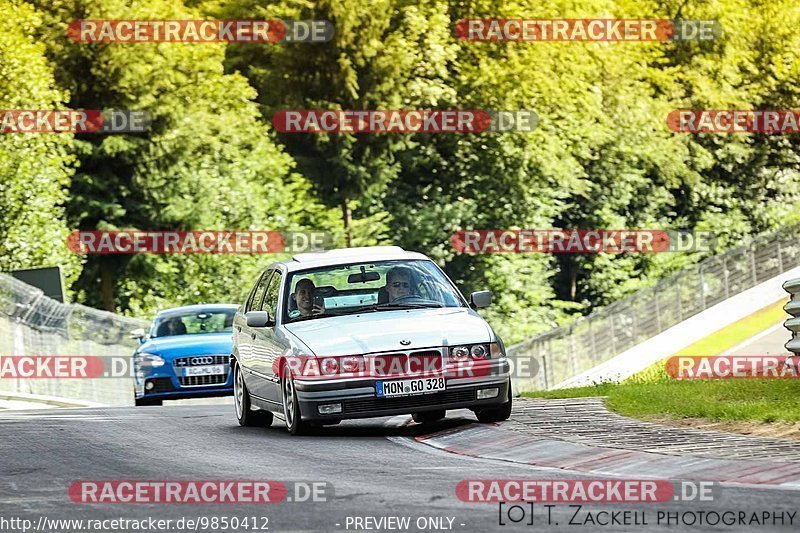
[{"x": 404, "y": 298}]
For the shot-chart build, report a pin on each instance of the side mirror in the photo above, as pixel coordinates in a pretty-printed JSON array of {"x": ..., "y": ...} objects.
[
  {"x": 257, "y": 319},
  {"x": 481, "y": 299},
  {"x": 138, "y": 333}
]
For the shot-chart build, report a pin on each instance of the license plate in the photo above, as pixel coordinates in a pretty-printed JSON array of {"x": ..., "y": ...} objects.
[
  {"x": 408, "y": 387},
  {"x": 209, "y": 370}
]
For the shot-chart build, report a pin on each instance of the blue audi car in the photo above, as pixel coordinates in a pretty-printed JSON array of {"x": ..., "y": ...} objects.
[{"x": 185, "y": 354}]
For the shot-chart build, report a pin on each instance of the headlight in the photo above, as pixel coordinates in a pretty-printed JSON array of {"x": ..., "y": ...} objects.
[
  {"x": 149, "y": 360},
  {"x": 479, "y": 351},
  {"x": 489, "y": 350},
  {"x": 352, "y": 363},
  {"x": 459, "y": 353},
  {"x": 329, "y": 366}
]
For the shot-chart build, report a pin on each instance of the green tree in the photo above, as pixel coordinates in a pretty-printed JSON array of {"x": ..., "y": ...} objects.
[
  {"x": 206, "y": 163},
  {"x": 35, "y": 168}
]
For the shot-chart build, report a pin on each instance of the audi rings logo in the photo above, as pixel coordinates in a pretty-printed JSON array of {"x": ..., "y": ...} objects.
[{"x": 197, "y": 361}]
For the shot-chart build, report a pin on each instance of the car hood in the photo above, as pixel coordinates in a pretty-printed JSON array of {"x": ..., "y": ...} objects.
[
  {"x": 180, "y": 345},
  {"x": 382, "y": 331}
]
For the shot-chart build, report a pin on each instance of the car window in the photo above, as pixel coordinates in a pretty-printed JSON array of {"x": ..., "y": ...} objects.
[
  {"x": 196, "y": 322},
  {"x": 258, "y": 294},
  {"x": 270, "y": 302},
  {"x": 362, "y": 287}
]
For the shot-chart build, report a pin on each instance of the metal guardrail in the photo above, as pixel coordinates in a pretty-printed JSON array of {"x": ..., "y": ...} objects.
[
  {"x": 567, "y": 351},
  {"x": 792, "y": 286},
  {"x": 33, "y": 324}
]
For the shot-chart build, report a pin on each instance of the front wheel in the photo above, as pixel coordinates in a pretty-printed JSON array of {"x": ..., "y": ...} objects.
[
  {"x": 291, "y": 407},
  {"x": 496, "y": 414},
  {"x": 241, "y": 400}
]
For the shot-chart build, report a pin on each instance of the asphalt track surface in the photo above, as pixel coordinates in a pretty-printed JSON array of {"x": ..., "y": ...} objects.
[{"x": 375, "y": 466}]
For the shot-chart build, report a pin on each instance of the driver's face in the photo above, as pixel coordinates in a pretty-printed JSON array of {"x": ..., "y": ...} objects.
[
  {"x": 398, "y": 287},
  {"x": 304, "y": 294}
]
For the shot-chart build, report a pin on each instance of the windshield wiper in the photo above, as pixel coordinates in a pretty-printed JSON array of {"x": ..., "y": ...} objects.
[
  {"x": 308, "y": 317},
  {"x": 393, "y": 306}
]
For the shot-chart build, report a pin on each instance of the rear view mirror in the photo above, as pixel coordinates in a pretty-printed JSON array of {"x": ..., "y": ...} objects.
[
  {"x": 257, "y": 319},
  {"x": 363, "y": 277},
  {"x": 481, "y": 299}
]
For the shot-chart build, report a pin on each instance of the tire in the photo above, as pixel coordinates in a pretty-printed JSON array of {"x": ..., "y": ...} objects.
[
  {"x": 148, "y": 401},
  {"x": 428, "y": 417},
  {"x": 241, "y": 403},
  {"x": 496, "y": 414},
  {"x": 291, "y": 407}
]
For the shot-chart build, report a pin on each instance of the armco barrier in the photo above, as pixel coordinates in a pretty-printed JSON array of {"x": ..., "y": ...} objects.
[
  {"x": 568, "y": 351},
  {"x": 792, "y": 286},
  {"x": 33, "y": 324}
]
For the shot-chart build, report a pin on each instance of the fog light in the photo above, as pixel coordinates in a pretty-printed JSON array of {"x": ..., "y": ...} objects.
[
  {"x": 484, "y": 394},
  {"x": 149, "y": 385},
  {"x": 332, "y": 408}
]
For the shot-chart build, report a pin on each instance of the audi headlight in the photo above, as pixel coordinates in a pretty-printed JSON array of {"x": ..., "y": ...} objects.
[{"x": 149, "y": 360}]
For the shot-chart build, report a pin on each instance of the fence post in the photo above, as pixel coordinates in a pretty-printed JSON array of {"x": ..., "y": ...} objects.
[
  {"x": 725, "y": 276},
  {"x": 678, "y": 294},
  {"x": 702, "y": 288},
  {"x": 780, "y": 258},
  {"x": 544, "y": 367},
  {"x": 752, "y": 253},
  {"x": 572, "y": 359},
  {"x": 613, "y": 337},
  {"x": 658, "y": 312}
]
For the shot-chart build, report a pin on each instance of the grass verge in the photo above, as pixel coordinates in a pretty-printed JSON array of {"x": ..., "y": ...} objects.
[{"x": 651, "y": 393}]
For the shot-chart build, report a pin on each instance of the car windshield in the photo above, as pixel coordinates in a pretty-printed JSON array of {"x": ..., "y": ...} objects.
[
  {"x": 368, "y": 287},
  {"x": 193, "y": 323}
]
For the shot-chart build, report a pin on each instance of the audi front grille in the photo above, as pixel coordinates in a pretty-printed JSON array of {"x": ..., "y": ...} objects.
[{"x": 201, "y": 360}]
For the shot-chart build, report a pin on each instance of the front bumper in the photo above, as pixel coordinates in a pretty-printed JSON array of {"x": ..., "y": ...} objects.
[
  {"x": 359, "y": 400},
  {"x": 168, "y": 383}
]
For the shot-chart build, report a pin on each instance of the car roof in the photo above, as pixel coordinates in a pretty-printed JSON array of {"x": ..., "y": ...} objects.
[
  {"x": 196, "y": 308},
  {"x": 344, "y": 256}
]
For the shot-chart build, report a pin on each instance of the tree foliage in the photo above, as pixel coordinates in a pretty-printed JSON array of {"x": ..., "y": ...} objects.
[{"x": 601, "y": 157}]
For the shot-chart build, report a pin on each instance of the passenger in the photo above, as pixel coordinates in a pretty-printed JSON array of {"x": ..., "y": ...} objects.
[
  {"x": 304, "y": 298},
  {"x": 398, "y": 283}
]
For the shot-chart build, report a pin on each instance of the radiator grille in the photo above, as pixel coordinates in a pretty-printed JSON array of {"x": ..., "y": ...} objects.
[
  {"x": 423, "y": 400},
  {"x": 199, "y": 381}
]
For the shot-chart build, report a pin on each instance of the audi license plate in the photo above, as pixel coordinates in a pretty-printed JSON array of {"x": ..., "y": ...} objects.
[
  {"x": 408, "y": 387},
  {"x": 208, "y": 370}
]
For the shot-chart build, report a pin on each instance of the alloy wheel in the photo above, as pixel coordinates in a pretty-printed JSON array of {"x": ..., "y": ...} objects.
[{"x": 238, "y": 390}]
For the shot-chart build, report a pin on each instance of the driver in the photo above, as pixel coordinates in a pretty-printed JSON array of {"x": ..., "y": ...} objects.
[
  {"x": 173, "y": 326},
  {"x": 304, "y": 297},
  {"x": 398, "y": 283}
]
